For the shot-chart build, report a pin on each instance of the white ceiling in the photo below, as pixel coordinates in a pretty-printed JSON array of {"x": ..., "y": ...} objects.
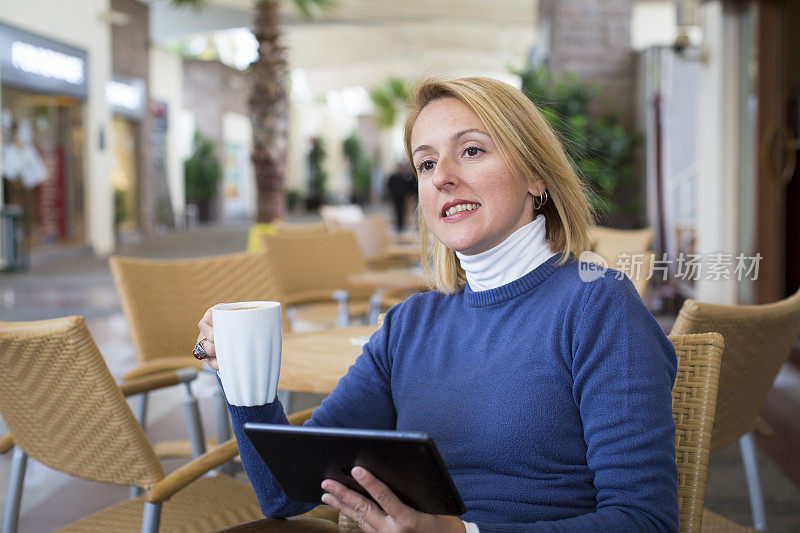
[{"x": 362, "y": 42}]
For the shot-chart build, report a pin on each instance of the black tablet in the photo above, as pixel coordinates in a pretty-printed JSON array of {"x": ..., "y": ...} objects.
[{"x": 300, "y": 458}]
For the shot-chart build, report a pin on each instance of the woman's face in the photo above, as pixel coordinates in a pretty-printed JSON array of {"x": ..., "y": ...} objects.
[{"x": 470, "y": 199}]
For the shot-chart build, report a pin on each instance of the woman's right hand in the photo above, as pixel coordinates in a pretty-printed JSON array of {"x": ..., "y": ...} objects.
[{"x": 207, "y": 335}]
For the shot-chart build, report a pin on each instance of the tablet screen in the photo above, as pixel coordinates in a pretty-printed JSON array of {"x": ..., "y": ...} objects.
[{"x": 300, "y": 458}]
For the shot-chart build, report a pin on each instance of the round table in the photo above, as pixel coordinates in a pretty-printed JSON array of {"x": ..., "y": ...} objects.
[
  {"x": 314, "y": 361},
  {"x": 407, "y": 279}
]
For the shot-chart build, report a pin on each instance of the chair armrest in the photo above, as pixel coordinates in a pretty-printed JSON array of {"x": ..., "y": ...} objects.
[
  {"x": 394, "y": 257},
  {"x": 310, "y": 296},
  {"x": 166, "y": 363},
  {"x": 157, "y": 381},
  {"x": 404, "y": 250},
  {"x": 408, "y": 238},
  {"x": 307, "y": 297},
  {"x": 7, "y": 442},
  {"x": 324, "y": 295},
  {"x": 191, "y": 471},
  {"x": 297, "y": 419}
]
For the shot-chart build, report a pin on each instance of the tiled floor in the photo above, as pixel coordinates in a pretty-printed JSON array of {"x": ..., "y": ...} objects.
[{"x": 781, "y": 411}]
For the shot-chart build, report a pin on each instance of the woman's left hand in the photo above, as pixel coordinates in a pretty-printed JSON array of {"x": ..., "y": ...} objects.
[{"x": 395, "y": 516}]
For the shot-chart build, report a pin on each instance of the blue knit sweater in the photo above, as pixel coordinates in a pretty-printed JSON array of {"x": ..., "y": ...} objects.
[{"x": 548, "y": 398}]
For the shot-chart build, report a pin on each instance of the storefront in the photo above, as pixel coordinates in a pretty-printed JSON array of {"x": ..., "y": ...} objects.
[
  {"x": 43, "y": 90},
  {"x": 126, "y": 97}
]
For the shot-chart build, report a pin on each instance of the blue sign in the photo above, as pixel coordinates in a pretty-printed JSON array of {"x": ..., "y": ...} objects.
[{"x": 28, "y": 61}]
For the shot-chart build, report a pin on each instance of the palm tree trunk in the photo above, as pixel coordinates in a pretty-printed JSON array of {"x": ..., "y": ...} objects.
[{"x": 269, "y": 109}]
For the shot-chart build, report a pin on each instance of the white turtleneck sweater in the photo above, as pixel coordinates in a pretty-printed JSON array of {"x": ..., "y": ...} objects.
[{"x": 521, "y": 252}]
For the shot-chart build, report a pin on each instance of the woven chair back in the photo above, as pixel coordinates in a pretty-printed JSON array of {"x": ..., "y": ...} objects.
[
  {"x": 163, "y": 300},
  {"x": 335, "y": 217},
  {"x": 282, "y": 227},
  {"x": 374, "y": 236},
  {"x": 694, "y": 397},
  {"x": 610, "y": 243},
  {"x": 64, "y": 409},
  {"x": 319, "y": 261},
  {"x": 758, "y": 340}
]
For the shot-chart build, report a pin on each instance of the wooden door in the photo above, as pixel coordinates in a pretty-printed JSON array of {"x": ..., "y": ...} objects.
[{"x": 771, "y": 127}]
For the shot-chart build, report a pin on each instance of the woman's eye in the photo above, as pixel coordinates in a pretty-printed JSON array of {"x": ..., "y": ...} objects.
[
  {"x": 472, "y": 151},
  {"x": 425, "y": 166}
]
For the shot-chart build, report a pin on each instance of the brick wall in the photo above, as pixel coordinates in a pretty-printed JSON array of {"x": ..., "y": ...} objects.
[
  {"x": 129, "y": 56},
  {"x": 129, "y": 41},
  {"x": 592, "y": 39},
  {"x": 211, "y": 89}
]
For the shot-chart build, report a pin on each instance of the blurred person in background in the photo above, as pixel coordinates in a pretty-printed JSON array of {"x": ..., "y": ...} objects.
[{"x": 401, "y": 183}]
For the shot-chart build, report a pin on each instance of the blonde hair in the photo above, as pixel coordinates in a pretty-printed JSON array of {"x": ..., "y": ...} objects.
[{"x": 528, "y": 145}]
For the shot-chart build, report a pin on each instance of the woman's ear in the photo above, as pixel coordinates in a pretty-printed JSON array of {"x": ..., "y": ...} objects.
[{"x": 537, "y": 186}]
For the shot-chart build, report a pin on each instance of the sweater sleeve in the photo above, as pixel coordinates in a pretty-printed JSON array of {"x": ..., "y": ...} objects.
[
  {"x": 271, "y": 499},
  {"x": 623, "y": 369},
  {"x": 361, "y": 399}
]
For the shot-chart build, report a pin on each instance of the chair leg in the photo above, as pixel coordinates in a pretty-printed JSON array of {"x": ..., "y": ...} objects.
[
  {"x": 374, "y": 308},
  {"x": 291, "y": 317},
  {"x": 223, "y": 427},
  {"x": 285, "y": 397},
  {"x": 19, "y": 460},
  {"x": 151, "y": 517},
  {"x": 343, "y": 315},
  {"x": 747, "y": 447},
  {"x": 193, "y": 423},
  {"x": 141, "y": 410}
]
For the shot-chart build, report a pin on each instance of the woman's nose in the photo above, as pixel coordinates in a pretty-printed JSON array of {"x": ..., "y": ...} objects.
[{"x": 445, "y": 174}]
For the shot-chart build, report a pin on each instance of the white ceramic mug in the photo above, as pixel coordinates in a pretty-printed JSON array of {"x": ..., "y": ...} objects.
[{"x": 247, "y": 342}]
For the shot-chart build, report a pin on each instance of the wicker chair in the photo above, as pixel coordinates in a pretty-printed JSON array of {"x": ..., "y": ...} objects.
[
  {"x": 379, "y": 246},
  {"x": 313, "y": 271},
  {"x": 617, "y": 245},
  {"x": 336, "y": 216},
  {"x": 611, "y": 242},
  {"x": 758, "y": 340},
  {"x": 164, "y": 299},
  {"x": 694, "y": 398},
  {"x": 64, "y": 409}
]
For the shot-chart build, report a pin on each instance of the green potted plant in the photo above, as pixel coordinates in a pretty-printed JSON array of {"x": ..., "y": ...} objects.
[
  {"x": 202, "y": 174},
  {"x": 120, "y": 209},
  {"x": 388, "y": 100},
  {"x": 360, "y": 168},
  {"x": 292, "y": 199},
  {"x": 602, "y": 151},
  {"x": 317, "y": 176}
]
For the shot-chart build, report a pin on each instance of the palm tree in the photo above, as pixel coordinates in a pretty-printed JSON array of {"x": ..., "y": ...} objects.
[{"x": 269, "y": 103}]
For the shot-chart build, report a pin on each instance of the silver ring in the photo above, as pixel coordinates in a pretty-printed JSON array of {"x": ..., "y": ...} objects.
[{"x": 199, "y": 352}]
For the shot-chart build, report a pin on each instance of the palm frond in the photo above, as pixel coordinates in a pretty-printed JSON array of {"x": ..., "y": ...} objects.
[
  {"x": 196, "y": 5},
  {"x": 311, "y": 8}
]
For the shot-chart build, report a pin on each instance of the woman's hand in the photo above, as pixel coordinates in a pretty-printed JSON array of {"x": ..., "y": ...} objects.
[
  {"x": 397, "y": 517},
  {"x": 207, "y": 332}
]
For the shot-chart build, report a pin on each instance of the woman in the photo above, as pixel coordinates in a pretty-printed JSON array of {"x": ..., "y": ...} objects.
[{"x": 547, "y": 396}]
